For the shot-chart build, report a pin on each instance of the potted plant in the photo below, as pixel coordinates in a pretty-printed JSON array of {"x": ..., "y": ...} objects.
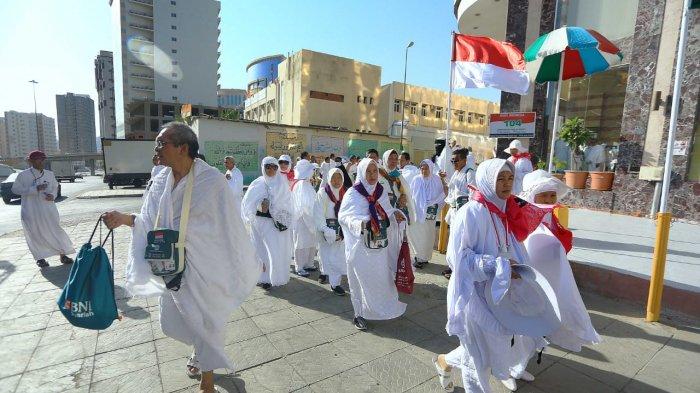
[
  {"x": 602, "y": 180},
  {"x": 575, "y": 134}
]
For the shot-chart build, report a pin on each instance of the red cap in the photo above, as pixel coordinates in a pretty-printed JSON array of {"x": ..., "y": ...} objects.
[{"x": 36, "y": 154}]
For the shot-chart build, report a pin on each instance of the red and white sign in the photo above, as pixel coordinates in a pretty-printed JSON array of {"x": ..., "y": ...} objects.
[
  {"x": 484, "y": 62},
  {"x": 512, "y": 125}
]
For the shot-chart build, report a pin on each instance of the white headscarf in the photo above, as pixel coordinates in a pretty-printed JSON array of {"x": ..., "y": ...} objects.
[
  {"x": 486, "y": 176},
  {"x": 286, "y": 157},
  {"x": 362, "y": 171},
  {"x": 303, "y": 170},
  {"x": 385, "y": 160},
  {"x": 540, "y": 181},
  {"x": 427, "y": 190},
  {"x": 336, "y": 191},
  {"x": 275, "y": 188}
]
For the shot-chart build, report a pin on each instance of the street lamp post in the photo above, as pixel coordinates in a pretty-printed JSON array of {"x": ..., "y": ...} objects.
[
  {"x": 403, "y": 103},
  {"x": 39, "y": 136}
]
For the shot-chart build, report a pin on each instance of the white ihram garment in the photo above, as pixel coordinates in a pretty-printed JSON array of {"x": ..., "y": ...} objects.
[
  {"x": 458, "y": 186},
  {"x": 548, "y": 256},
  {"x": 371, "y": 281},
  {"x": 427, "y": 191},
  {"x": 273, "y": 247},
  {"x": 304, "y": 199},
  {"x": 235, "y": 183},
  {"x": 40, "y": 220},
  {"x": 473, "y": 256},
  {"x": 221, "y": 268},
  {"x": 331, "y": 252}
]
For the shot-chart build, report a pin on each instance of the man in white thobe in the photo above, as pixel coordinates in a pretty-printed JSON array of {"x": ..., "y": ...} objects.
[
  {"x": 521, "y": 160},
  {"x": 221, "y": 266},
  {"x": 42, "y": 228},
  {"x": 234, "y": 177}
]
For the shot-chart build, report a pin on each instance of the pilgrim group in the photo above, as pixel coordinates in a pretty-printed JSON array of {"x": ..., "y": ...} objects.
[{"x": 510, "y": 293}]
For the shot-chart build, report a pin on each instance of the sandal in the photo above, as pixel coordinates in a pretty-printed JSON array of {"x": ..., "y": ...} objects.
[
  {"x": 193, "y": 370},
  {"x": 42, "y": 263},
  {"x": 444, "y": 376}
]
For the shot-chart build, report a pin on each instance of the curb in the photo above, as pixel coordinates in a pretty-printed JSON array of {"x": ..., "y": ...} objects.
[
  {"x": 614, "y": 284},
  {"x": 103, "y": 196}
]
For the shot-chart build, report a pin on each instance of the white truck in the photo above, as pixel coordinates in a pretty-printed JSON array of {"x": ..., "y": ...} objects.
[
  {"x": 127, "y": 162},
  {"x": 63, "y": 170}
]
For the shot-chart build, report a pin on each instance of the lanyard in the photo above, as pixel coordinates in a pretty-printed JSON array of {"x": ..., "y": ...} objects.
[
  {"x": 36, "y": 178},
  {"x": 502, "y": 252}
]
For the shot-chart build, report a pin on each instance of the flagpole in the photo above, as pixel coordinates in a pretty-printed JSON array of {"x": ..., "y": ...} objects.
[
  {"x": 448, "y": 132},
  {"x": 555, "y": 128}
]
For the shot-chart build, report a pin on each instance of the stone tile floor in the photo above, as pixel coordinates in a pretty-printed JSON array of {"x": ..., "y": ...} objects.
[{"x": 300, "y": 338}]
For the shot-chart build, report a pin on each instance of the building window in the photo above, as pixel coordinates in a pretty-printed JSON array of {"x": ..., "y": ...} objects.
[
  {"x": 413, "y": 108},
  {"x": 173, "y": 50},
  {"x": 154, "y": 125},
  {"x": 482, "y": 119},
  {"x": 359, "y": 99},
  {"x": 469, "y": 117},
  {"x": 438, "y": 112},
  {"x": 174, "y": 15},
  {"x": 174, "y": 86},
  {"x": 174, "y": 98},
  {"x": 397, "y": 106},
  {"x": 364, "y": 100},
  {"x": 424, "y": 110},
  {"x": 460, "y": 116},
  {"x": 173, "y": 2},
  {"x": 173, "y": 39},
  {"x": 154, "y": 109},
  {"x": 371, "y": 100},
  {"x": 320, "y": 95},
  {"x": 173, "y": 27},
  {"x": 174, "y": 74},
  {"x": 174, "y": 62}
]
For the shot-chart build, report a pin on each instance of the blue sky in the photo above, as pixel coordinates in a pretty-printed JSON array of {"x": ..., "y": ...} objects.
[{"x": 55, "y": 42}]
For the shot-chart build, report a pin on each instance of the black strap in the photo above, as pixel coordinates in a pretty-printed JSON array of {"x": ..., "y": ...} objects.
[
  {"x": 512, "y": 341},
  {"x": 539, "y": 356},
  {"x": 103, "y": 242},
  {"x": 261, "y": 214}
]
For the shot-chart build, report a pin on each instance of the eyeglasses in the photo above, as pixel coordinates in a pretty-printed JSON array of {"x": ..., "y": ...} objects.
[
  {"x": 270, "y": 166},
  {"x": 455, "y": 161},
  {"x": 284, "y": 162},
  {"x": 161, "y": 144}
]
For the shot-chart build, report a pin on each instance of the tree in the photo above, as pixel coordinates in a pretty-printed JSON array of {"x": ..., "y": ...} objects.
[{"x": 576, "y": 135}]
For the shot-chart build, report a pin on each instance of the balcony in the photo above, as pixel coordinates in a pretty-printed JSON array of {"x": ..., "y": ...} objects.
[
  {"x": 141, "y": 27},
  {"x": 143, "y": 88},
  {"x": 142, "y": 76},
  {"x": 142, "y": 39},
  {"x": 144, "y": 2},
  {"x": 140, "y": 64},
  {"x": 141, "y": 14}
]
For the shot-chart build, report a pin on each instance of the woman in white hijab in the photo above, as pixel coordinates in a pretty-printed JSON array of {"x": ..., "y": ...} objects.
[
  {"x": 547, "y": 247},
  {"x": 399, "y": 192},
  {"x": 331, "y": 250},
  {"x": 304, "y": 197},
  {"x": 481, "y": 249},
  {"x": 364, "y": 214},
  {"x": 429, "y": 196},
  {"x": 267, "y": 211}
]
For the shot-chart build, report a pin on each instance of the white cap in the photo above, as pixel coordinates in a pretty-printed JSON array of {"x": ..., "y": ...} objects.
[{"x": 516, "y": 144}]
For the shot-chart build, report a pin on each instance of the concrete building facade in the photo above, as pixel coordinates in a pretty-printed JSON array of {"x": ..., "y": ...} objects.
[
  {"x": 627, "y": 106},
  {"x": 104, "y": 83},
  {"x": 326, "y": 91},
  {"x": 3, "y": 139},
  {"x": 21, "y": 133},
  {"x": 165, "y": 56},
  {"x": 76, "y": 123},
  {"x": 231, "y": 98}
]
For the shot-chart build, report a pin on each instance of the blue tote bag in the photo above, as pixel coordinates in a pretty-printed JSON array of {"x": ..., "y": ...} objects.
[{"x": 87, "y": 300}]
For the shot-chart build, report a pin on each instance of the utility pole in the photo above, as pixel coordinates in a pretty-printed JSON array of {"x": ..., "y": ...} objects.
[
  {"x": 39, "y": 135},
  {"x": 403, "y": 103}
]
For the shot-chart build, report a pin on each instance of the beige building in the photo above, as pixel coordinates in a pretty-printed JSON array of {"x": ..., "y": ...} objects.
[{"x": 321, "y": 90}]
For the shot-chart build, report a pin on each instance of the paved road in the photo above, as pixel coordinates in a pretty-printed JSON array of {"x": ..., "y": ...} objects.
[{"x": 70, "y": 208}]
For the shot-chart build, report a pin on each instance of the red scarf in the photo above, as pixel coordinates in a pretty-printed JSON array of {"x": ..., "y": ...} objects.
[
  {"x": 376, "y": 212},
  {"x": 515, "y": 157},
  {"x": 521, "y": 218},
  {"x": 290, "y": 175},
  {"x": 331, "y": 196},
  {"x": 565, "y": 236}
]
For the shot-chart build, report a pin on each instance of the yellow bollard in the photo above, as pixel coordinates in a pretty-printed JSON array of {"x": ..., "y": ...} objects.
[
  {"x": 658, "y": 267},
  {"x": 444, "y": 234},
  {"x": 562, "y": 214}
]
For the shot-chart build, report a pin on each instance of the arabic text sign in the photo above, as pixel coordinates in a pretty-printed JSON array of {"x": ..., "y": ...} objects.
[
  {"x": 512, "y": 125},
  {"x": 327, "y": 144},
  {"x": 281, "y": 143},
  {"x": 245, "y": 154}
]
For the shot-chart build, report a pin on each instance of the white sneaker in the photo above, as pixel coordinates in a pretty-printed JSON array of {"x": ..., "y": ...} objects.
[
  {"x": 525, "y": 376},
  {"x": 510, "y": 384}
]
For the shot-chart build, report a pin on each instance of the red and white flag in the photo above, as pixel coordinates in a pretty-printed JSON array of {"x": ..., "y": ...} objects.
[{"x": 484, "y": 62}]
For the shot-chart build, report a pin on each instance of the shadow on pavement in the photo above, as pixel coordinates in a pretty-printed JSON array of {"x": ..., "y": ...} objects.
[
  {"x": 6, "y": 269},
  {"x": 229, "y": 383},
  {"x": 56, "y": 275}
]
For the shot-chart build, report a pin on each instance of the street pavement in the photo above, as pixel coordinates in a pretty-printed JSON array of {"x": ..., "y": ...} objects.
[
  {"x": 300, "y": 338},
  {"x": 626, "y": 244}
]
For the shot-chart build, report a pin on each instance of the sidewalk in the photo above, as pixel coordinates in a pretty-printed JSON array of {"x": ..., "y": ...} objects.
[
  {"x": 300, "y": 338},
  {"x": 626, "y": 244}
]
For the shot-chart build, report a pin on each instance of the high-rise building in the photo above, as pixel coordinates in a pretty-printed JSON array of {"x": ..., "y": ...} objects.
[
  {"x": 3, "y": 138},
  {"x": 22, "y": 133},
  {"x": 104, "y": 82},
  {"x": 76, "y": 123},
  {"x": 165, "y": 58}
]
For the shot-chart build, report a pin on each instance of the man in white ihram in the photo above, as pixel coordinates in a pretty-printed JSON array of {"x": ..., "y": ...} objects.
[
  {"x": 234, "y": 177},
  {"x": 42, "y": 229},
  {"x": 221, "y": 267}
]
